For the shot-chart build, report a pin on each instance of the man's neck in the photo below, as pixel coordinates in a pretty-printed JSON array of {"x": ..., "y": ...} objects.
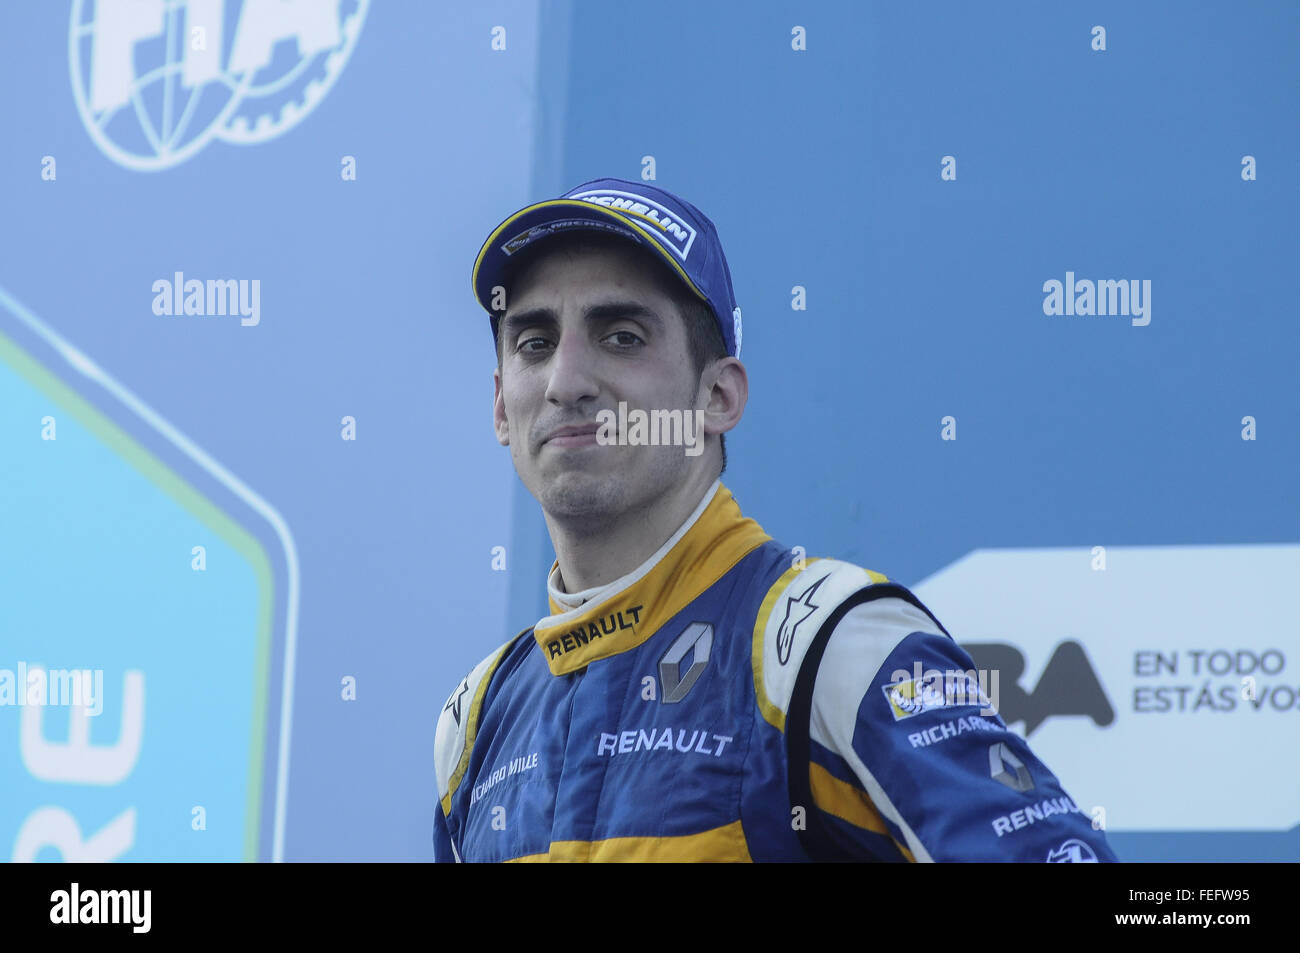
[{"x": 590, "y": 558}]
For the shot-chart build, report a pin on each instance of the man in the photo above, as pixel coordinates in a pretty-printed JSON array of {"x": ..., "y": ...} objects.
[{"x": 696, "y": 693}]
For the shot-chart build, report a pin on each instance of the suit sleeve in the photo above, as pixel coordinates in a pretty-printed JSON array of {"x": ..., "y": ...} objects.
[{"x": 909, "y": 760}]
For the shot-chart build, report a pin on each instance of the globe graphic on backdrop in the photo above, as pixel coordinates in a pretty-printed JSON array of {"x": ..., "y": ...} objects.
[{"x": 132, "y": 64}]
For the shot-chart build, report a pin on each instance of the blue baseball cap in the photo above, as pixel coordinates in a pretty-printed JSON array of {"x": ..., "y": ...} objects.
[{"x": 651, "y": 217}]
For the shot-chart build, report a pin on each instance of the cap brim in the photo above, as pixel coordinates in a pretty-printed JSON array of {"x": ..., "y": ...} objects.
[{"x": 552, "y": 217}]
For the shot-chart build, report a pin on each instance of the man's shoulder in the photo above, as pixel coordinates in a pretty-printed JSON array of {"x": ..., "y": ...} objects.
[
  {"x": 809, "y": 601},
  {"x": 458, "y": 721}
]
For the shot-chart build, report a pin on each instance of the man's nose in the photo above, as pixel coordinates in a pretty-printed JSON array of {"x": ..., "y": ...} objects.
[{"x": 573, "y": 376}]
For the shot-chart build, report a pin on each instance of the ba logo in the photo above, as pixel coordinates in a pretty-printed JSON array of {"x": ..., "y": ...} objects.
[
  {"x": 157, "y": 80},
  {"x": 1068, "y": 685}
]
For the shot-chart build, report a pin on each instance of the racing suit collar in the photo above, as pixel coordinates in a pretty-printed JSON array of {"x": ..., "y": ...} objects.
[
  {"x": 561, "y": 601},
  {"x": 606, "y": 620}
]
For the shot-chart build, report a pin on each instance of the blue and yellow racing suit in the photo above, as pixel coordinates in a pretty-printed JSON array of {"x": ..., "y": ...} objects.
[{"x": 725, "y": 702}]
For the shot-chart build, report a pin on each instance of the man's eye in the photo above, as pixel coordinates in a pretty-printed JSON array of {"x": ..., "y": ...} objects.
[
  {"x": 532, "y": 344},
  {"x": 625, "y": 339}
]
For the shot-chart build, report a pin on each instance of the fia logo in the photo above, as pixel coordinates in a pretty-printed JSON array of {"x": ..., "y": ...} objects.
[{"x": 156, "y": 80}]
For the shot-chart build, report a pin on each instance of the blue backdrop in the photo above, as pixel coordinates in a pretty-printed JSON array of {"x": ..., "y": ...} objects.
[{"x": 284, "y": 520}]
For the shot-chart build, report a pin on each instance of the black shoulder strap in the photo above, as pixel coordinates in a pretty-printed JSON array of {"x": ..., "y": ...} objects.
[{"x": 818, "y": 842}]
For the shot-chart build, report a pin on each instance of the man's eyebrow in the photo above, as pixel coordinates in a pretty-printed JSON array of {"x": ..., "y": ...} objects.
[{"x": 599, "y": 313}]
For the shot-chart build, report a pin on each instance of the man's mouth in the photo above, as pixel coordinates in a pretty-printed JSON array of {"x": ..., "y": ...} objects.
[{"x": 578, "y": 435}]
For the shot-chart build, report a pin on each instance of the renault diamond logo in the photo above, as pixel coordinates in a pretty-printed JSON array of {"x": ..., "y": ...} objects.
[{"x": 698, "y": 636}]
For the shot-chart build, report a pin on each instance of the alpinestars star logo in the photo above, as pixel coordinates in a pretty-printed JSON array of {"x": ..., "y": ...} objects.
[
  {"x": 453, "y": 703},
  {"x": 797, "y": 609}
]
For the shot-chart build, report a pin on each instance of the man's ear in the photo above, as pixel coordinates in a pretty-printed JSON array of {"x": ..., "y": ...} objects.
[
  {"x": 724, "y": 390},
  {"x": 499, "y": 422}
]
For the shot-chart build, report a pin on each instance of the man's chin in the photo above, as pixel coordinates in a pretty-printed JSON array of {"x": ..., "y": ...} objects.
[{"x": 578, "y": 493}]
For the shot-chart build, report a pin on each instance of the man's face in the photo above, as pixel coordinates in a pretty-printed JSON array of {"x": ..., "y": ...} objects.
[{"x": 580, "y": 334}]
